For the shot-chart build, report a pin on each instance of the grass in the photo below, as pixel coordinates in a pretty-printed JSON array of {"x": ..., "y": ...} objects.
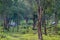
[
  {"x": 27, "y": 36},
  {"x": 18, "y": 36}
]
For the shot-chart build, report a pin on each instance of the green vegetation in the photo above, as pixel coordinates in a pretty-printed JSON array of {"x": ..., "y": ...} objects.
[
  {"x": 24, "y": 35},
  {"x": 18, "y": 36},
  {"x": 29, "y": 19}
]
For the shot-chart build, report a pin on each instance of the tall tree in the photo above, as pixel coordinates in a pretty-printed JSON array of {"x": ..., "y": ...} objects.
[
  {"x": 39, "y": 19},
  {"x": 55, "y": 12},
  {"x": 6, "y": 4}
]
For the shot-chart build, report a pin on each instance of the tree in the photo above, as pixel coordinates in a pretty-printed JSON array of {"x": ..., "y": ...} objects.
[
  {"x": 34, "y": 21},
  {"x": 6, "y": 4},
  {"x": 39, "y": 19}
]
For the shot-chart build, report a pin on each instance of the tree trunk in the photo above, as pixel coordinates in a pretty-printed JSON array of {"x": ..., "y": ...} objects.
[
  {"x": 44, "y": 23},
  {"x": 26, "y": 19},
  {"x": 56, "y": 21},
  {"x": 18, "y": 25},
  {"x": 6, "y": 23},
  {"x": 34, "y": 21},
  {"x": 45, "y": 31},
  {"x": 39, "y": 19},
  {"x": 39, "y": 23}
]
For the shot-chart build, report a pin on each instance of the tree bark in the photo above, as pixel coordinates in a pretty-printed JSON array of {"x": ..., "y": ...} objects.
[
  {"x": 39, "y": 23},
  {"x": 6, "y": 23},
  {"x": 34, "y": 21},
  {"x": 45, "y": 31},
  {"x": 39, "y": 19},
  {"x": 44, "y": 23},
  {"x": 56, "y": 21}
]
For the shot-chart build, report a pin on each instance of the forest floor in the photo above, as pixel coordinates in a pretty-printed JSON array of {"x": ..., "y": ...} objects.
[
  {"x": 27, "y": 36},
  {"x": 17, "y": 36}
]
